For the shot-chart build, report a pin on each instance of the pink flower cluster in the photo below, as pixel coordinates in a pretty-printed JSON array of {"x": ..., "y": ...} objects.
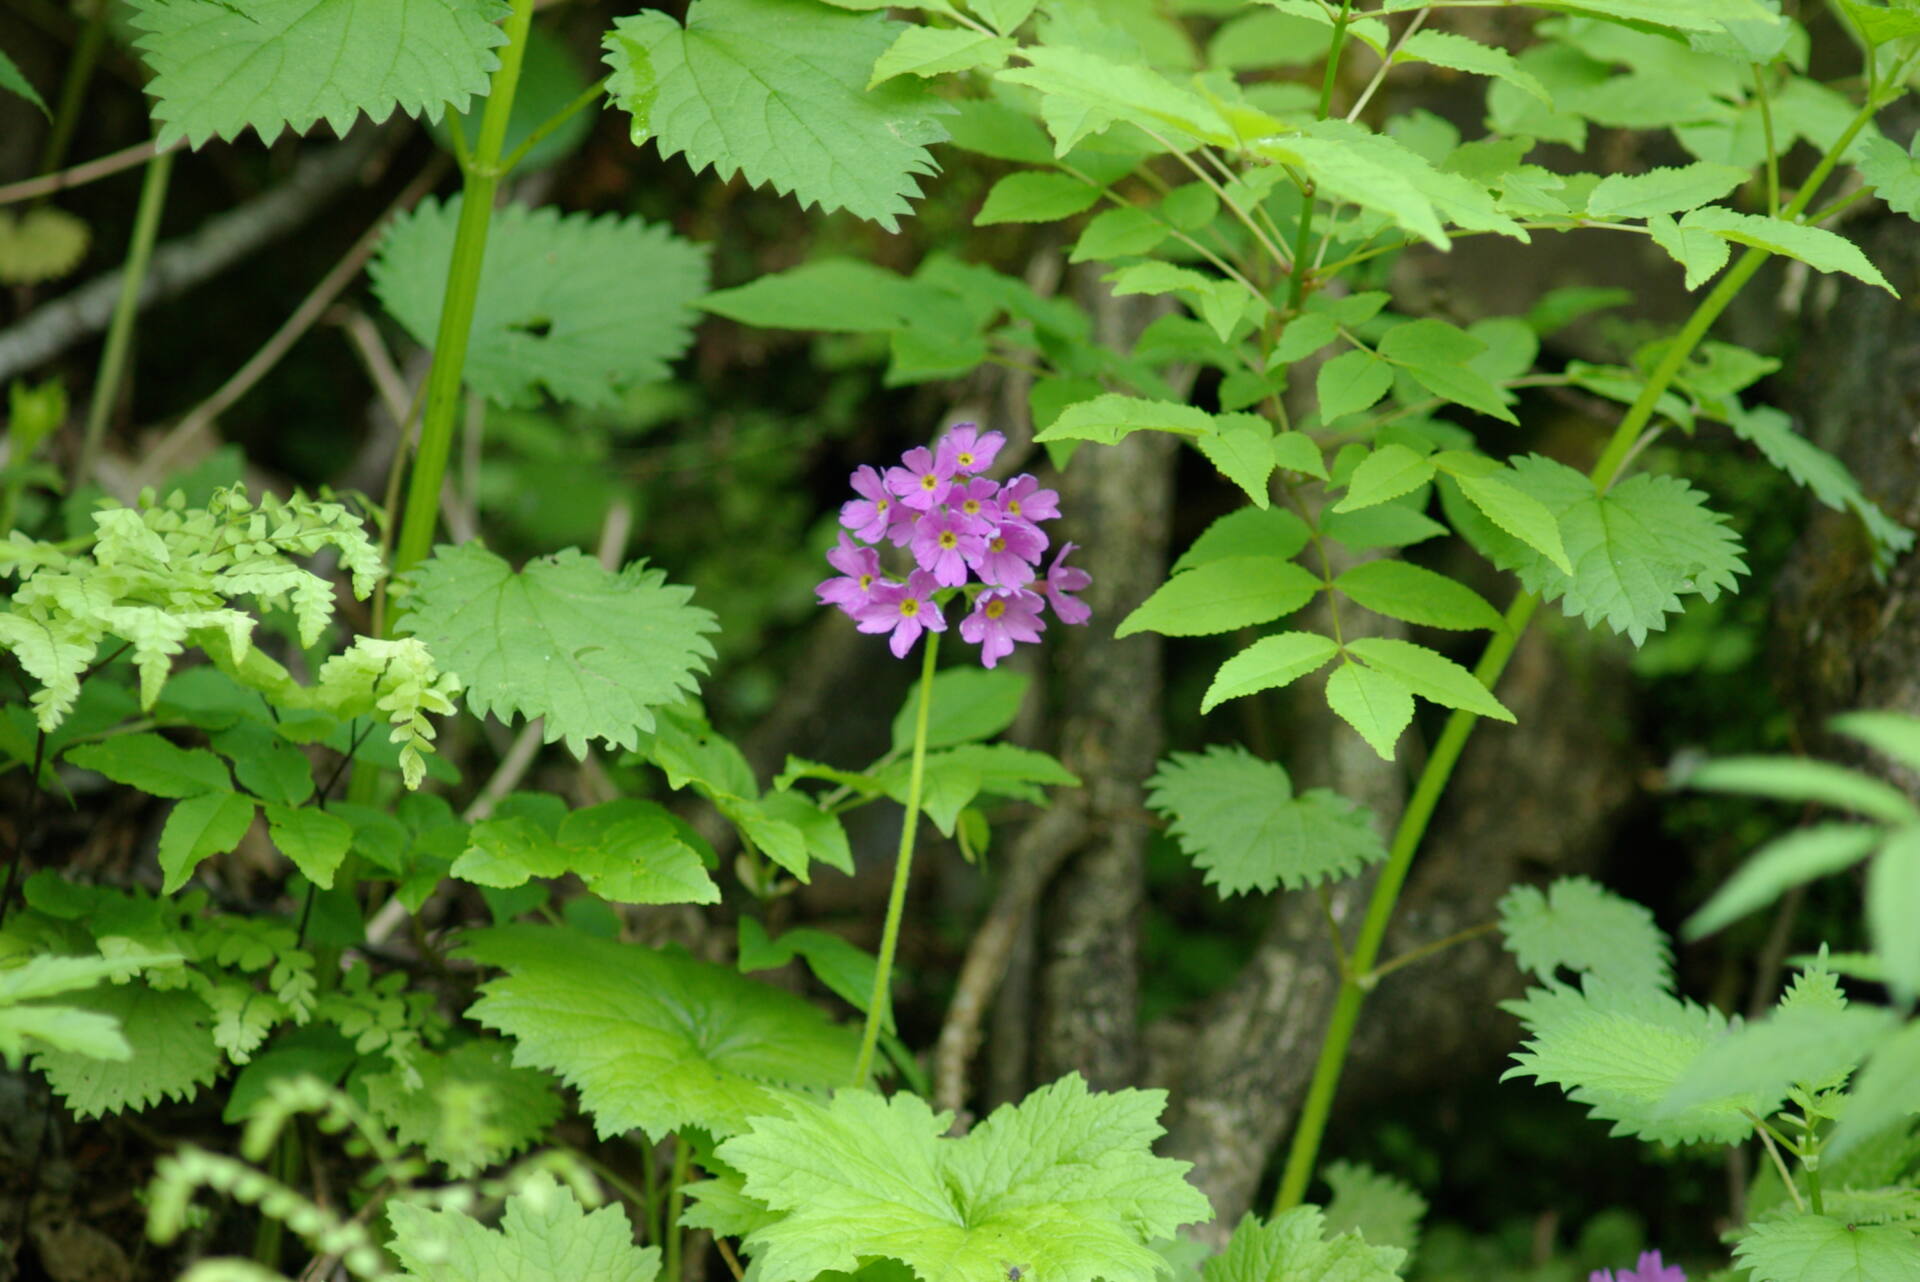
[
  {"x": 1651, "y": 1269},
  {"x": 968, "y": 534}
]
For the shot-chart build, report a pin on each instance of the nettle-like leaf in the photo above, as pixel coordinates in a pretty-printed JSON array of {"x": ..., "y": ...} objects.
[
  {"x": 650, "y": 1038},
  {"x": 1620, "y": 1051},
  {"x": 545, "y": 1235},
  {"x": 1804, "y": 1247},
  {"x": 777, "y": 90},
  {"x": 14, "y": 82},
  {"x": 222, "y": 68},
  {"x": 170, "y": 1032},
  {"x": 29, "y": 1022},
  {"x": 1383, "y": 1210},
  {"x": 1237, "y": 818},
  {"x": 629, "y": 851},
  {"x": 1062, "y": 1185},
  {"x": 470, "y": 1108},
  {"x": 1812, "y": 1047},
  {"x": 1299, "y": 1244},
  {"x": 592, "y": 651},
  {"x": 1893, "y": 174},
  {"x": 1771, "y": 432},
  {"x": 1581, "y": 925},
  {"x": 584, "y": 307},
  {"x": 1635, "y": 549}
]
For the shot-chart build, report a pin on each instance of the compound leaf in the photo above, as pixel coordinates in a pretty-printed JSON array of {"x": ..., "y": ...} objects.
[
  {"x": 1429, "y": 674},
  {"x": 1662, "y": 191},
  {"x": 1219, "y": 596},
  {"x": 1771, "y": 432},
  {"x": 1237, "y": 818},
  {"x": 505, "y": 1109},
  {"x": 1247, "y": 532},
  {"x": 1267, "y": 664},
  {"x": 1415, "y": 594},
  {"x": 592, "y": 651},
  {"x": 314, "y": 840},
  {"x": 1387, "y": 473},
  {"x": 968, "y": 704},
  {"x": 1785, "y": 862},
  {"x": 1583, "y": 926},
  {"x": 1374, "y": 703},
  {"x": 629, "y": 851},
  {"x": 653, "y": 1039},
  {"x": 210, "y": 824},
  {"x": 1805, "y": 1247},
  {"x": 1299, "y": 1244},
  {"x": 544, "y": 1236},
  {"x": 222, "y": 68},
  {"x": 777, "y": 90},
  {"x": 1109, "y": 418},
  {"x": 1035, "y": 197},
  {"x": 546, "y": 315},
  {"x": 1063, "y": 1185},
  {"x": 1816, "y": 246}
]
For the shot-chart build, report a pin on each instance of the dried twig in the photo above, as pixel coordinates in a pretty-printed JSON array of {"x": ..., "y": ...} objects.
[{"x": 80, "y": 175}]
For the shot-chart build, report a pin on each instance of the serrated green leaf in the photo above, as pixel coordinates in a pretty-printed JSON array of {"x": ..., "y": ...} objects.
[
  {"x": 956, "y": 776},
  {"x": 844, "y": 968},
  {"x": 776, "y": 90},
  {"x": 1893, "y": 906},
  {"x": 1034, "y": 197},
  {"x": 1118, "y": 233},
  {"x": 1390, "y": 525},
  {"x": 1297, "y": 452},
  {"x": 629, "y": 851},
  {"x": 220, "y": 69},
  {"x": 14, "y": 82},
  {"x": 1429, "y": 674},
  {"x": 1620, "y": 1051},
  {"x": 1383, "y": 1210},
  {"x": 1003, "y": 15},
  {"x": 210, "y": 824},
  {"x": 1221, "y": 303},
  {"x": 1663, "y": 191},
  {"x": 653, "y": 1039},
  {"x": 1414, "y": 594},
  {"x": 592, "y": 651},
  {"x": 843, "y": 295},
  {"x": 1886, "y": 1093},
  {"x": 1373, "y": 703},
  {"x": 1816, "y": 246},
  {"x": 1584, "y": 927},
  {"x": 1387, "y": 473},
  {"x": 1771, "y": 430},
  {"x": 1805, "y": 1247},
  {"x": 153, "y": 765},
  {"x": 1242, "y": 448},
  {"x": 1063, "y": 1184},
  {"x": 1343, "y": 169},
  {"x": 1785, "y": 862},
  {"x": 1219, "y": 596},
  {"x": 171, "y": 1037},
  {"x": 1296, "y": 1244},
  {"x": 545, "y": 1235},
  {"x": 1349, "y": 383},
  {"x": 1696, "y": 249},
  {"x": 1236, "y": 817},
  {"x": 1107, "y": 419},
  {"x": 1103, "y": 90},
  {"x": 266, "y": 764},
  {"x": 1634, "y": 549},
  {"x": 1519, "y": 514},
  {"x": 969, "y": 704},
  {"x": 1247, "y": 532},
  {"x": 1267, "y": 664},
  {"x": 84, "y": 1033},
  {"x": 467, "y": 1109},
  {"x": 1893, "y": 174},
  {"x": 545, "y": 317},
  {"x": 1763, "y": 1060},
  {"x": 1447, "y": 49},
  {"x": 1805, "y": 780},
  {"x": 314, "y": 840},
  {"x": 935, "y": 51},
  {"x": 1303, "y": 336}
]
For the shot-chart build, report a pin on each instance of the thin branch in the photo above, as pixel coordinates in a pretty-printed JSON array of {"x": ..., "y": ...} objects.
[{"x": 80, "y": 175}]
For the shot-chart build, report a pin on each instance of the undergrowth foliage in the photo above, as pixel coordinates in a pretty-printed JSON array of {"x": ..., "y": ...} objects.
[{"x": 199, "y": 652}]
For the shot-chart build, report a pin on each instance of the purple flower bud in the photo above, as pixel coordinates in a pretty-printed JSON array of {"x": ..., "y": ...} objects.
[
  {"x": 1062, "y": 579},
  {"x": 1650, "y": 1269}
]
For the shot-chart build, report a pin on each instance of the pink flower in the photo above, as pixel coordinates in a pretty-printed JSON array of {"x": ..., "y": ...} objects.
[
  {"x": 859, "y": 571},
  {"x": 869, "y": 515},
  {"x": 966, "y": 449},
  {"x": 904, "y": 609},
  {"x": 922, "y": 483},
  {"x": 974, "y": 503},
  {"x": 1650, "y": 1269},
  {"x": 1009, "y": 556},
  {"x": 945, "y": 547},
  {"x": 1001, "y": 617},
  {"x": 1023, "y": 500},
  {"x": 1063, "y": 579}
]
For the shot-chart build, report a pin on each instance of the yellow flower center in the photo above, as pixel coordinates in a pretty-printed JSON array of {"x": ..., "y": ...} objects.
[
  {"x": 909, "y": 607},
  {"x": 929, "y": 482},
  {"x": 971, "y": 507},
  {"x": 948, "y": 539},
  {"x": 998, "y": 545},
  {"x": 1013, "y": 507},
  {"x": 995, "y": 608},
  {"x": 866, "y": 581},
  {"x": 966, "y": 460}
]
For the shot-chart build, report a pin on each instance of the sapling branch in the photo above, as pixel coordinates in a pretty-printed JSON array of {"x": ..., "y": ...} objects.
[
  {"x": 1373, "y": 977},
  {"x": 546, "y": 127},
  {"x": 676, "y": 1199},
  {"x": 1760, "y": 96}
]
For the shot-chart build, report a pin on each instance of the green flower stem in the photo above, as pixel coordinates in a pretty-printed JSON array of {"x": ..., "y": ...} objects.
[
  {"x": 881, "y": 1002},
  {"x": 1427, "y": 790},
  {"x": 422, "y": 513},
  {"x": 113, "y": 358},
  {"x": 676, "y": 1198}
]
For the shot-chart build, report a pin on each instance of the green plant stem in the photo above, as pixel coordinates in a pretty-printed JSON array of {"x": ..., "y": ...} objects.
[
  {"x": 483, "y": 173},
  {"x": 73, "y": 89},
  {"x": 676, "y": 1196},
  {"x": 1296, "y": 289},
  {"x": 113, "y": 357},
  {"x": 881, "y": 1002},
  {"x": 553, "y": 122},
  {"x": 1766, "y": 128},
  {"x": 1314, "y": 1110}
]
